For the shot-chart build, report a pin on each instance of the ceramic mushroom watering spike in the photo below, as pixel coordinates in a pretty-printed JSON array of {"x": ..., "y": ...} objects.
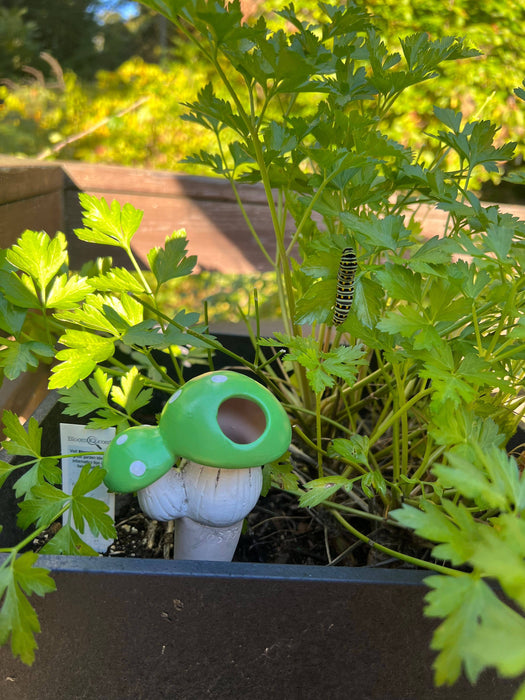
[{"x": 226, "y": 426}]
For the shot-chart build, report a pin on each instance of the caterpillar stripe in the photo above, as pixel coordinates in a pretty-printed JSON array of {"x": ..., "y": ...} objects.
[{"x": 345, "y": 286}]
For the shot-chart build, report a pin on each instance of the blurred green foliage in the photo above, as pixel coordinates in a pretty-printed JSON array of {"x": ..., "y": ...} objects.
[
  {"x": 481, "y": 87},
  {"x": 225, "y": 295},
  {"x": 36, "y": 118}
]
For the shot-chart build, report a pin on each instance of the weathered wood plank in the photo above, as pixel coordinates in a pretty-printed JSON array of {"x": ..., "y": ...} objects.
[
  {"x": 20, "y": 182},
  {"x": 42, "y": 213},
  {"x": 115, "y": 179},
  {"x": 204, "y": 206},
  {"x": 216, "y": 230}
]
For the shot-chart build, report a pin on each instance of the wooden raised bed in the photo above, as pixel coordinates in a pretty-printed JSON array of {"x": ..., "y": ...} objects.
[{"x": 44, "y": 196}]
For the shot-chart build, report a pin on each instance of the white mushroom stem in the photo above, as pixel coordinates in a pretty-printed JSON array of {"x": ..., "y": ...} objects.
[
  {"x": 200, "y": 542},
  {"x": 209, "y": 505},
  {"x": 165, "y": 499}
]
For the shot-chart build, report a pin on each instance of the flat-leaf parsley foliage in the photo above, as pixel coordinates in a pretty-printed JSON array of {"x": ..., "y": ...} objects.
[
  {"x": 479, "y": 628},
  {"x": 396, "y": 399},
  {"x": 43, "y": 503}
]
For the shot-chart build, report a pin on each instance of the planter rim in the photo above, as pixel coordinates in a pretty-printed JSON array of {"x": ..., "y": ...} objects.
[{"x": 230, "y": 570}]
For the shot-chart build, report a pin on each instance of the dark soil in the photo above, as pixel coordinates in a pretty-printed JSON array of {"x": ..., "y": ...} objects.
[{"x": 277, "y": 531}]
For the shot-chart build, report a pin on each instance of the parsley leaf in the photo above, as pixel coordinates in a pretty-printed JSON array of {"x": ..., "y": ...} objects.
[{"x": 20, "y": 578}]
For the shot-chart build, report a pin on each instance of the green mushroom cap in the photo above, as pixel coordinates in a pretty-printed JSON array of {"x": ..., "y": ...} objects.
[
  {"x": 219, "y": 419},
  {"x": 135, "y": 459},
  {"x": 225, "y": 419}
]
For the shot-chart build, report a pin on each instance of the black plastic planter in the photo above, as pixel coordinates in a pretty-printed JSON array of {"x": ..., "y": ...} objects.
[
  {"x": 124, "y": 628},
  {"x": 186, "y": 630},
  {"x": 119, "y": 629}
]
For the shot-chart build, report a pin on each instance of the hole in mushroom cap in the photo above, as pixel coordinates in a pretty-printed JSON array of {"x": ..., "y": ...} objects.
[{"x": 241, "y": 420}]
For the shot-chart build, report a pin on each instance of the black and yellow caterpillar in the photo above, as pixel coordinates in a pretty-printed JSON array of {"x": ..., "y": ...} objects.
[{"x": 345, "y": 286}]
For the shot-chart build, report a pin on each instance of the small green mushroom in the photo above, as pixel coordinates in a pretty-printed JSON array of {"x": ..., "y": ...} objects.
[{"x": 136, "y": 458}]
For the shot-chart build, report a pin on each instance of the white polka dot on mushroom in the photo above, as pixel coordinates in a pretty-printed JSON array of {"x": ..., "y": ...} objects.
[
  {"x": 122, "y": 439},
  {"x": 137, "y": 468},
  {"x": 219, "y": 378},
  {"x": 175, "y": 396}
]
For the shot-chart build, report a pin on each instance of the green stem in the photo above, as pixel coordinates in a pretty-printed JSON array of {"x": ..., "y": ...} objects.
[
  {"x": 481, "y": 351},
  {"x": 395, "y": 452},
  {"x": 269, "y": 360},
  {"x": 498, "y": 356},
  {"x": 176, "y": 365},
  {"x": 135, "y": 264},
  {"x": 397, "y": 414},
  {"x": 210, "y": 342},
  {"x": 420, "y": 563},
  {"x": 300, "y": 409},
  {"x": 313, "y": 445},
  {"x": 249, "y": 122},
  {"x": 358, "y": 387},
  {"x": 497, "y": 333},
  {"x": 332, "y": 505},
  {"x": 13, "y": 551},
  {"x": 309, "y": 208},
  {"x": 461, "y": 322},
  {"x": 319, "y": 434},
  {"x": 280, "y": 265},
  {"x": 216, "y": 345},
  {"x": 428, "y": 459},
  {"x": 207, "y": 328},
  {"x": 404, "y": 419},
  {"x": 249, "y": 223},
  {"x": 161, "y": 370}
]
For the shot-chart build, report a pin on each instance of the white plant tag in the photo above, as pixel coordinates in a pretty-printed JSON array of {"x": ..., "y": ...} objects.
[{"x": 76, "y": 439}]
